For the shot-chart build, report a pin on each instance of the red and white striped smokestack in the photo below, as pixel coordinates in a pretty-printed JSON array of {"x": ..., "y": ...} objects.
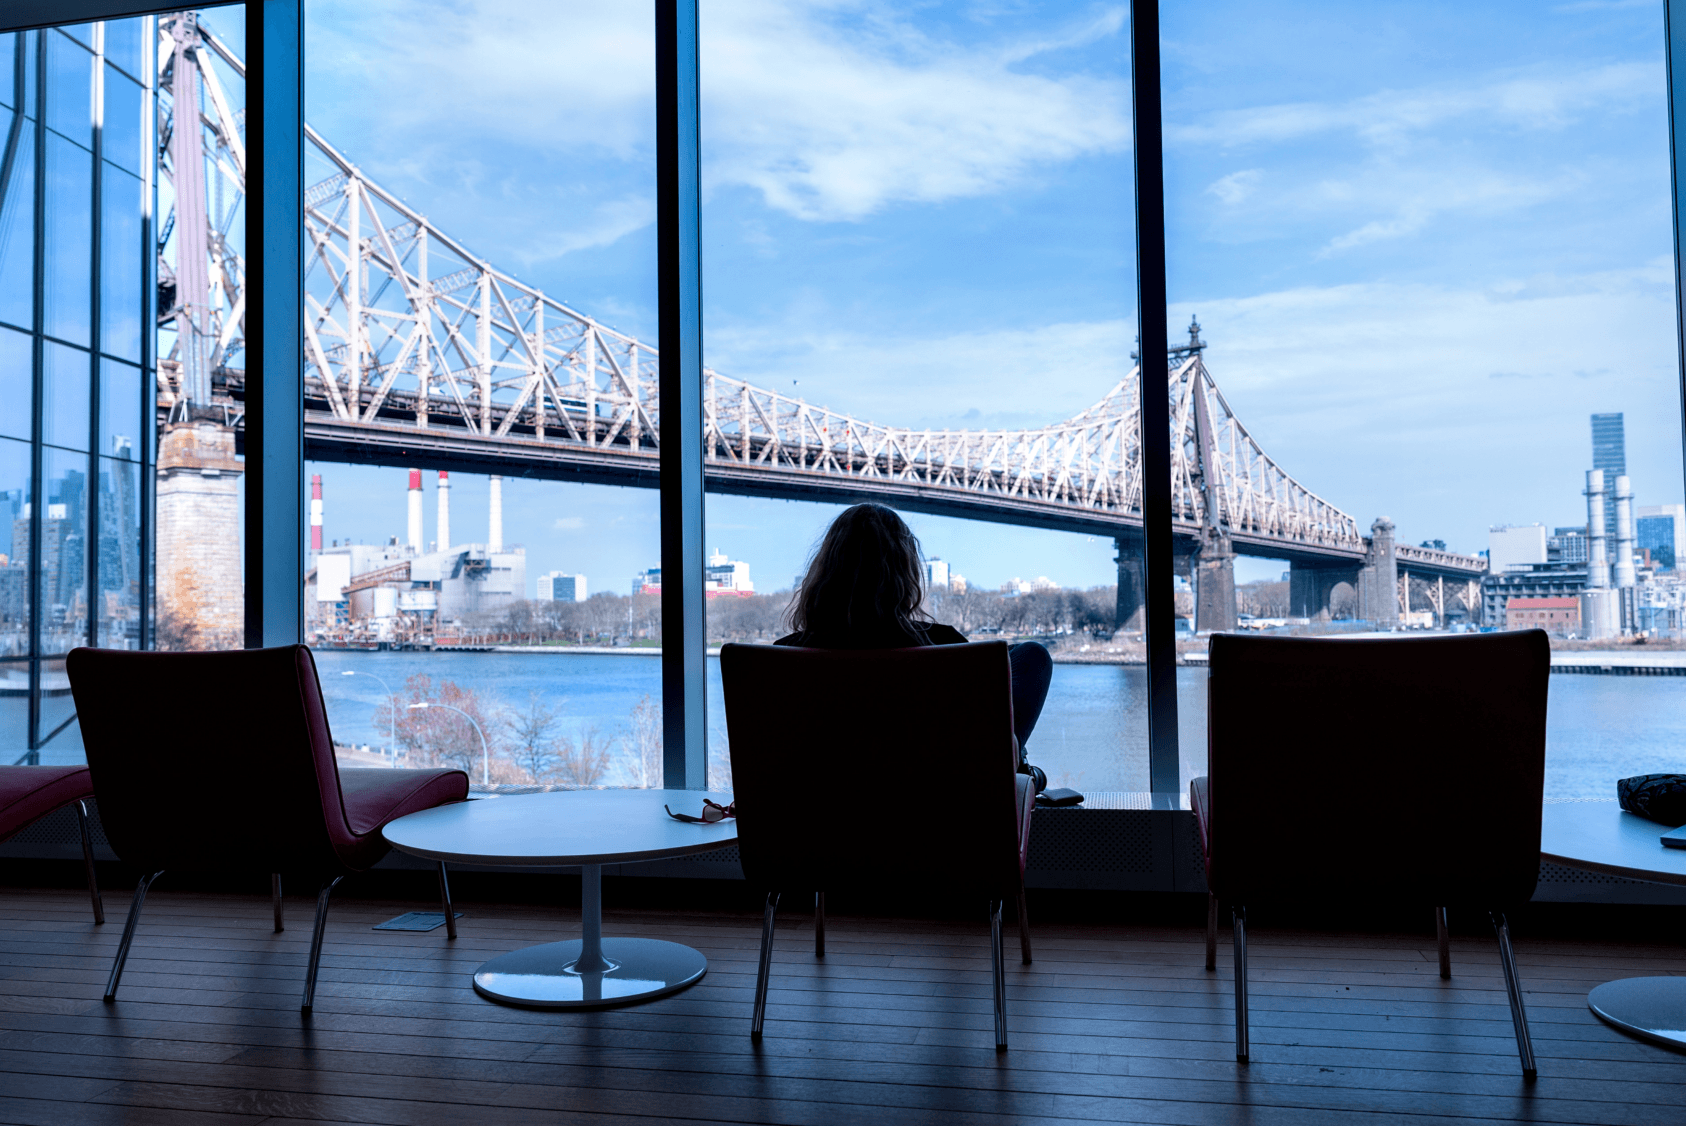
[
  {"x": 444, "y": 510},
  {"x": 415, "y": 511},
  {"x": 316, "y": 512}
]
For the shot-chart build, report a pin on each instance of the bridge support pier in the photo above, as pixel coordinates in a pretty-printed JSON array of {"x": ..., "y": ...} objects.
[
  {"x": 1378, "y": 579},
  {"x": 1214, "y": 583},
  {"x": 198, "y": 538},
  {"x": 1130, "y": 586},
  {"x": 1310, "y": 589}
]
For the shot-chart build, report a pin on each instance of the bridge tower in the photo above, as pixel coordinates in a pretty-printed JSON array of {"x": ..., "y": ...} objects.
[
  {"x": 1130, "y": 585},
  {"x": 1378, "y": 579}
]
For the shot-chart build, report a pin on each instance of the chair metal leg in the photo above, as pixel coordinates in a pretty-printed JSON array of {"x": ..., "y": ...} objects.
[
  {"x": 128, "y": 935},
  {"x": 766, "y": 969},
  {"x": 1211, "y": 931},
  {"x": 1513, "y": 986},
  {"x": 999, "y": 963},
  {"x": 1024, "y": 926},
  {"x": 88, "y": 861},
  {"x": 316, "y": 943},
  {"x": 1239, "y": 917},
  {"x": 1444, "y": 938},
  {"x": 275, "y": 894},
  {"x": 445, "y": 898},
  {"x": 819, "y": 924}
]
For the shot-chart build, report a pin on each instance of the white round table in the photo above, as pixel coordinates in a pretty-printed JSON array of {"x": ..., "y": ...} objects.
[
  {"x": 1602, "y": 837},
  {"x": 590, "y": 828}
]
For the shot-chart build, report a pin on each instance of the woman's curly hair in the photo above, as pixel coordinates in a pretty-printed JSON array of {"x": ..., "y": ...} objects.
[{"x": 864, "y": 579}]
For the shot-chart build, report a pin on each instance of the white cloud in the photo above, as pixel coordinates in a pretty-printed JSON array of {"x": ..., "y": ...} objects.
[
  {"x": 826, "y": 121},
  {"x": 1541, "y": 99},
  {"x": 568, "y": 523},
  {"x": 1237, "y": 186}
]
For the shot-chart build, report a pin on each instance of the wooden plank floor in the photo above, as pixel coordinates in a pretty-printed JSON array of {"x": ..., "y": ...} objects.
[{"x": 1112, "y": 1024}]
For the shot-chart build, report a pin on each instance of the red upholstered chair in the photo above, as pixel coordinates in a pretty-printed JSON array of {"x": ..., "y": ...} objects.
[
  {"x": 29, "y": 793},
  {"x": 807, "y": 728},
  {"x": 1418, "y": 777},
  {"x": 224, "y": 762}
]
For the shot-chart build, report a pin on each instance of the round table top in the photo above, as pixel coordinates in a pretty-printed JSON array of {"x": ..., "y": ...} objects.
[
  {"x": 563, "y": 828},
  {"x": 1603, "y": 837}
]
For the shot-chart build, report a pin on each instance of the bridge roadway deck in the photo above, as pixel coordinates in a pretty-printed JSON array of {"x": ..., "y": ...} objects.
[{"x": 401, "y": 446}]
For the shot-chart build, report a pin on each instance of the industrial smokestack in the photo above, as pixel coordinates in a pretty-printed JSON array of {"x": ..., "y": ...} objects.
[
  {"x": 316, "y": 512},
  {"x": 1598, "y": 563},
  {"x": 444, "y": 510},
  {"x": 495, "y": 542},
  {"x": 1623, "y": 570},
  {"x": 415, "y": 511}
]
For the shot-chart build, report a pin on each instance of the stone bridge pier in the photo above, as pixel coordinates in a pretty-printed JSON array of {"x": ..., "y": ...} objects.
[
  {"x": 1131, "y": 585},
  {"x": 1214, "y": 582},
  {"x": 1311, "y": 589},
  {"x": 1375, "y": 583}
]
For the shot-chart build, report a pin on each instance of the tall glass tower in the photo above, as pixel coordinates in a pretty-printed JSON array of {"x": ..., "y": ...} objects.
[{"x": 1609, "y": 453}]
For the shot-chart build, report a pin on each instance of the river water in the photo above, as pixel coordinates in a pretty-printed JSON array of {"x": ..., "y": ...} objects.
[{"x": 1092, "y": 734}]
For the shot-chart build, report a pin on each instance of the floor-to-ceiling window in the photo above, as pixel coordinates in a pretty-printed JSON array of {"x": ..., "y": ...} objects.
[
  {"x": 1429, "y": 248},
  {"x": 920, "y": 291},
  {"x": 76, "y": 364}
]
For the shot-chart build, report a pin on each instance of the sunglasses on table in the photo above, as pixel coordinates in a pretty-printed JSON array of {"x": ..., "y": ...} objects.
[{"x": 712, "y": 811}]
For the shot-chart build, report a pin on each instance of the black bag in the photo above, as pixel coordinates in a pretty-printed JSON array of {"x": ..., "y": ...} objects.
[{"x": 1659, "y": 797}]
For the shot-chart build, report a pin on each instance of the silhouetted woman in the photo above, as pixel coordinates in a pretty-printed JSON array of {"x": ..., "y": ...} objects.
[{"x": 864, "y": 590}]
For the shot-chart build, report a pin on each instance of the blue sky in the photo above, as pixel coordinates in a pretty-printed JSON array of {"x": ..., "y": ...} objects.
[{"x": 1424, "y": 245}]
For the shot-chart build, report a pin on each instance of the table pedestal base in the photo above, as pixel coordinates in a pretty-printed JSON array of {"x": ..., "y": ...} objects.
[
  {"x": 545, "y": 977},
  {"x": 1653, "y": 1008}
]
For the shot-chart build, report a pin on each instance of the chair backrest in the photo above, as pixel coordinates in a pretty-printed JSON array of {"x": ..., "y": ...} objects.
[
  {"x": 858, "y": 767},
  {"x": 211, "y": 760},
  {"x": 1409, "y": 768}
]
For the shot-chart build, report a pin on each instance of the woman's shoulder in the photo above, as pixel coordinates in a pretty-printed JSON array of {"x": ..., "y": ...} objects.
[{"x": 939, "y": 634}]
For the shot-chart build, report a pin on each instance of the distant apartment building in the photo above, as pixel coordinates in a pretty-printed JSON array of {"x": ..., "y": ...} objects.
[
  {"x": 722, "y": 577},
  {"x": 1567, "y": 545},
  {"x": 1557, "y": 616},
  {"x": 560, "y": 586},
  {"x": 936, "y": 574},
  {"x": 1516, "y": 546},
  {"x": 1539, "y": 580},
  {"x": 1661, "y": 530}
]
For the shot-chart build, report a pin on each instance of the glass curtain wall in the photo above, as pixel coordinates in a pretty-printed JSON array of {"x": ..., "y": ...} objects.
[
  {"x": 919, "y": 291},
  {"x": 76, "y": 364},
  {"x": 1430, "y": 254},
  {"x": 483, "y": 566}
]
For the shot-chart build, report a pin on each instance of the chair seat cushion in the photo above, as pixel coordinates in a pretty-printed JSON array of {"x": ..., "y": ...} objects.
[
  {"x": 375, "y": 797},
  {"x": 29, "y": 793}
]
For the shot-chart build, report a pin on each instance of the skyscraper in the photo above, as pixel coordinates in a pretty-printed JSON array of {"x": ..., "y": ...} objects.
[{"x": 1609, "y": 453}]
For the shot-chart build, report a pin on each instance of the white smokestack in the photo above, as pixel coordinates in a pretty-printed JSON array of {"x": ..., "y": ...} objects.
[
  {"x": 1624, "y": 576},
  {"x": 444, "y": 510},
  {"x": 415, "y": 511},
  {"x": 495, "y": 541},
  {"x": 1598, "y": 563}
]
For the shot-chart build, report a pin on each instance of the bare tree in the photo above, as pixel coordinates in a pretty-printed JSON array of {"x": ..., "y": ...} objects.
[
  {"x": 644, "y": 742},
  {"x": 582, "y": 763},
  {"x": 533, "y": 745}
]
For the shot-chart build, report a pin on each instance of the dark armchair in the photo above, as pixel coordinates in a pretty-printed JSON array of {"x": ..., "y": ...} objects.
[
  {"x": 224, "y": 762},
  {"x": 827, "y": 745},
  {"x": 1412, "y": 771},
  {"x": 29, "y": 793}
]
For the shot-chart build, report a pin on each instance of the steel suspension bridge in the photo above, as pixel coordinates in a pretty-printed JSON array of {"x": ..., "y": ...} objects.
[{"x": 417, "y": 352}]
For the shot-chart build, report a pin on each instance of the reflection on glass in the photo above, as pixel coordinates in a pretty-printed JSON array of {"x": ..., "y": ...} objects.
[
  {"x": 68, "y": 266},
  {"x": 66, "y": 380},
  {"x": 64, "y": 553},
  {"x": 119, "y": 599},
  {"x": 123, "y": 42},
  {"x": 60, "y": 740},
  {"x": 120, "y": 140},
  {"x": 14, "y": 710},
  {"x": 15, "y": 495},
  {"x": 17, "y": 384},
  {"x": 120, "y": 410},
  {"x": 17, "y": 226},
  {"x": 70, "y": 83},
  {"x": 121, "y": 251}
]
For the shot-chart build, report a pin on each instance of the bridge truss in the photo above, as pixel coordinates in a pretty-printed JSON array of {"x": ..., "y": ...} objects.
[{"x": 418, "y": 352}]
